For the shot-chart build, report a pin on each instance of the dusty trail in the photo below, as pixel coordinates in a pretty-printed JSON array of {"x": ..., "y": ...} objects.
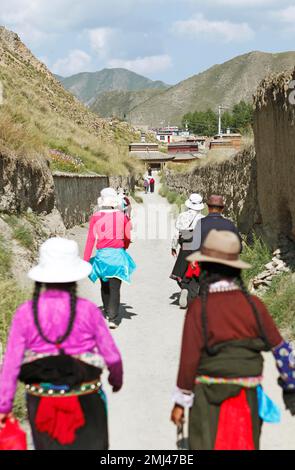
[{"x": 149, "y": 339}]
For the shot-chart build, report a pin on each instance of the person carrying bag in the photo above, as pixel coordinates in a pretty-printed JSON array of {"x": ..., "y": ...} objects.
[{"x": 187, "y": 237}]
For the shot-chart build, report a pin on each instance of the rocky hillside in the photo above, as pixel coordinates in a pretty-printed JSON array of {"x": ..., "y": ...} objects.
[
  {"x": 88, "y": 85},
  {"x": 120, "y": 103},
  {"x": 38, "y": 114},
  {"x": 227, "y": 84}
]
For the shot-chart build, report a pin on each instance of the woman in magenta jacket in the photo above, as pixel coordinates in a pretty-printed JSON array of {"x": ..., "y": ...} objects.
[{"x": 58, "y": 346}]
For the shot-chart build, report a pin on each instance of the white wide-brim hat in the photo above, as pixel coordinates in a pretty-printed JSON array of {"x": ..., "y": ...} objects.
[
  {"x": 59, "y": 262},
  {"x": 108, "y": 197},
  {"x": 222, "y": 247},
  {"x": 195, "y": 202}
]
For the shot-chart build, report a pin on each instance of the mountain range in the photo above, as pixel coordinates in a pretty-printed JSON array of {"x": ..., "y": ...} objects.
[
  {"x": 226, "y": 84},
  {"x": 141, "y": 101},
  {"x": 88, "y": 85}
]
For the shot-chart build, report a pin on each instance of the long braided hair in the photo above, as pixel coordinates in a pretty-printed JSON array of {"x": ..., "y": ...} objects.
[
  {"x": 71, "y": 288},
  {"x": 214, "y": 272}
]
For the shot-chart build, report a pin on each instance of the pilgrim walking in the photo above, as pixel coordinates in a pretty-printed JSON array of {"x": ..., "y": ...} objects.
[
  {"x": 152, "y": 184},
  {"x": 146, "y": 184},
  {"x": 58, "y": 345},
  {"x": 215, "y": 219},
  {"x": 110, "y": 230},
  {"x": 188, "y": 237},
  {"x": 220, "y": 372},
  {"x": 124, "y": 202}
]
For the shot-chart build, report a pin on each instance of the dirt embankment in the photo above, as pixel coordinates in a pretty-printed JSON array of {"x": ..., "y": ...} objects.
[
  {"x": 25, "y": 183},
  {"x": 234, "y": 178},
  {"x": 274, "y": 128}
]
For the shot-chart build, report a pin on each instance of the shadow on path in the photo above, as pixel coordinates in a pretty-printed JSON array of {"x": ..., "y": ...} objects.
[
  {"x": 124, "y": 313},
  {"x": 182, "y": 444}
]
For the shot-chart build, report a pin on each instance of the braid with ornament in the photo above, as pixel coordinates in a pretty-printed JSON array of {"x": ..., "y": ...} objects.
[{"x": 71, "y": 289}]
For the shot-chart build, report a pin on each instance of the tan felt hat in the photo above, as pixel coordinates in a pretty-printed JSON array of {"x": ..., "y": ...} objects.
[{"x": 220, "y": 246}]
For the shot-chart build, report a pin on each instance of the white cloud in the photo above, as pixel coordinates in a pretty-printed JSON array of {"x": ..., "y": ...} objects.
[
  {"x": 143, "y": 65},
  {"x": 77, "y": 61},
  {"x": 242, "y": 3},
  {"x": 287, "y": 15},
  {"x": 226, "y": 30},
  {"x": 100, "y": 39}
]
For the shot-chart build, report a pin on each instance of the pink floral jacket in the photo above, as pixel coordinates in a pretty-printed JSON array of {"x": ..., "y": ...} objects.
[{"x": 89, "y": 334}]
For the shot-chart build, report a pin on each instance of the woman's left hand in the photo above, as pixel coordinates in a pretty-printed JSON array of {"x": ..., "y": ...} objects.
[{"x": 177, "y": 415}]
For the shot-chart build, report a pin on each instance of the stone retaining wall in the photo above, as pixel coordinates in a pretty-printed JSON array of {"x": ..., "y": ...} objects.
[
  {"x": 76, "y": 196},
  {"x": 235, "y": 179}
]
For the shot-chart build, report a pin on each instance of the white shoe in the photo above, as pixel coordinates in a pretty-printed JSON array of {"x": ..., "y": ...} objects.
[
  {"x": 112, "y": 325},
  {"x": 183, "y": 298}
]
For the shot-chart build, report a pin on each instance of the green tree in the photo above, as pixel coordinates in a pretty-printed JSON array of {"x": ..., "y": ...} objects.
[
  {"x": 201, "y": 122},
  {"x": 242, "y": 114},
  {"x": 240, "y": 119}
]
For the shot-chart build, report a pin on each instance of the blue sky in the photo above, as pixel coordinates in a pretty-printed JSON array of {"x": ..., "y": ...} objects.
[{"x": 168, "y": 40}]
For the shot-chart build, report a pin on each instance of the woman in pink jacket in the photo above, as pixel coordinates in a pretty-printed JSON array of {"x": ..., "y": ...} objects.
[
  {"x": 109, "y": 230},
  {"x": 58, "y": 346}
]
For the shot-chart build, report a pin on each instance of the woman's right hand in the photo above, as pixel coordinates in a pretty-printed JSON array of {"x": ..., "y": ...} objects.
[
  {"x": 4, "y": 417},
  {"x": 177, "y": 415},
  {"x": 174, "y": 252}
]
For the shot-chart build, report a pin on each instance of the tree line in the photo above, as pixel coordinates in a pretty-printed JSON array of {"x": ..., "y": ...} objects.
[{"x": 239, "y": 119}]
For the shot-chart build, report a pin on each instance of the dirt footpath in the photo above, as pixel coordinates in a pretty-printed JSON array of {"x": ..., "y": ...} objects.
[{"x": 149, "y": 339}]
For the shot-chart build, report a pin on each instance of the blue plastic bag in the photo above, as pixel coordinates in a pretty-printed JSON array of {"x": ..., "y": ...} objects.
[{"x": 268, "y": 411}]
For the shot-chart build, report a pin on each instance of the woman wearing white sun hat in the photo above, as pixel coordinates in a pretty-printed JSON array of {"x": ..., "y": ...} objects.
[
  {"x": 58, "y": 345},
  {"x": 188, "y": 237},
  {"x": 110, "y": 231}
]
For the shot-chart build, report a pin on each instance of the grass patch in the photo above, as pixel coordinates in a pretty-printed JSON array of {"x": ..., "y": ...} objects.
[
  {"x": 45, "y": 116},
  {"x": 136, "y": 197},
  {"x": 172, "y": 196},
  {"x": 10, "y": 298},
  {"x": 257, "y": 254},
  {"x": 20, "y": 231},
  {"x": 5, "y": 259},
  {"x": 280, "y": 300}
]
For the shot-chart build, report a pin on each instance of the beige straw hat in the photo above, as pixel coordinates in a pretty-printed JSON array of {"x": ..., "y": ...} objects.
[{"x": 220, "y": 247}]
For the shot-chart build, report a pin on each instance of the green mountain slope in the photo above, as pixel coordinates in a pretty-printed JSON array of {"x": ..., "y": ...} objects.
[
  {"x": 87, "y": 85},
  {"x": 119, "y": 103},
  {"x": 38, "y": 115},
  {"x": 225, "y": 84}
]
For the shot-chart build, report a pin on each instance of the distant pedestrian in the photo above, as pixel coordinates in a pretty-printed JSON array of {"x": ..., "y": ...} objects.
[
  {"x": 220, "y": 373},
  {"x": 110, "y": 229},
  {"x": 188, "y": 237},
  {"x": 149, "y": 171},
  {"x": 58, "y": 346},
  {"x": 152, "y": 184},
  {"x": 125, "y": 203},
  {"x": 215, "y": 219},
  {"x": 146, "y": 184}
]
